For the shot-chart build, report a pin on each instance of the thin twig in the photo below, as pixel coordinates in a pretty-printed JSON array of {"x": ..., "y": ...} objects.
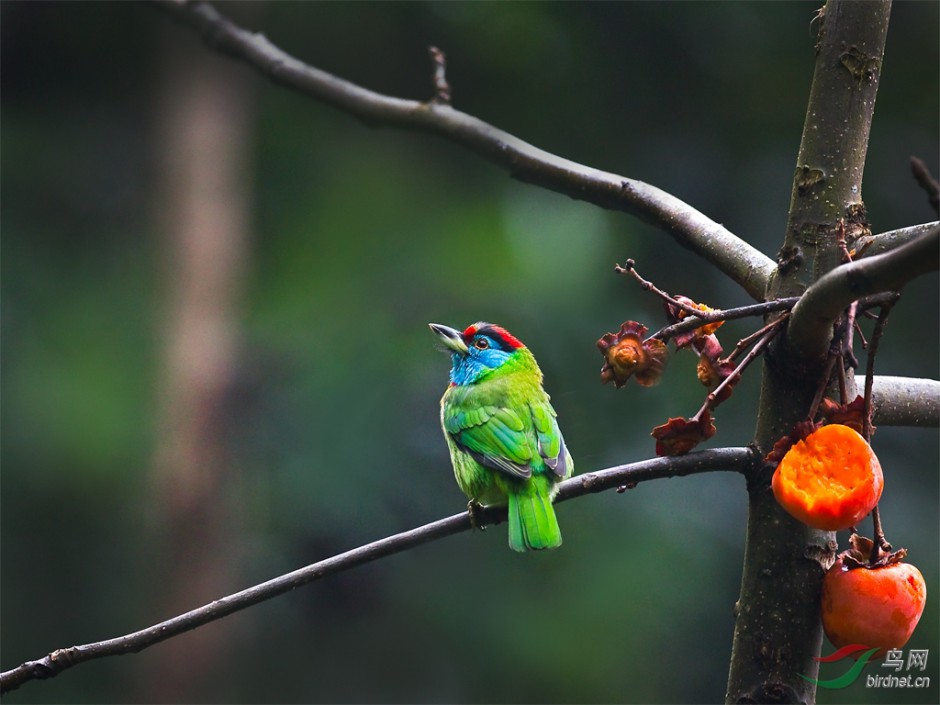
[
  {"x": 727, "y": 459},
  {"x": 870, "y": 366},
  {"x": 726, "y": 314},
  {"x": 848, "y": 334},
  {"x": 747, "y": 340},
  {"x": 880, "y": 544},
  {"x": 822, "y": 387},
  {"x": 746, "y": 265},
  {"x": 748, "y": 359},
  {"x": 843, "y": 382},
  {"x": 698, "y": 317},
  {"x": 926, "y": 181},
  {"x": 840, "y": 348},
  {"x": 629, "y": 267},
  {"x": 840, "y": 240},
  {"x": 711, "y": 401}
]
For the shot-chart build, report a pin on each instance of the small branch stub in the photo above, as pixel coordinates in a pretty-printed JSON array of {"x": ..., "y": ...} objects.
[{"x": 441, "y": 86}]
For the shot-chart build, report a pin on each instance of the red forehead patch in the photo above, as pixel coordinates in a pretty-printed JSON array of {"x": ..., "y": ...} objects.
[{"x": 506, "y": 340}]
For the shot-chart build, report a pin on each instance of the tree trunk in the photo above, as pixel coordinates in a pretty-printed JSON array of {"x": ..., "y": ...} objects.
[
  {"x": 204, "y": 119},
  {"x": 777, "y": 627}
]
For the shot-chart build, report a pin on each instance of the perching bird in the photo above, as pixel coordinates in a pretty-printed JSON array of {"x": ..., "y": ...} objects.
[{"x": 502, "y": 431}]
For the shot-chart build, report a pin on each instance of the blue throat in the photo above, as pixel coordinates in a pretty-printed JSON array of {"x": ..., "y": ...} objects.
[{"x": 469, "y": 368}]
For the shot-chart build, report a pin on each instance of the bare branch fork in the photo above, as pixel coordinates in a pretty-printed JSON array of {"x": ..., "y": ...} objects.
[
  {"x": 741, "y": 460},
  {"x": 824, "y": 301}
]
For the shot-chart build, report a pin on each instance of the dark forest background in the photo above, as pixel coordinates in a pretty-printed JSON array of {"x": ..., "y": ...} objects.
[{"x": 217, "y": 368}]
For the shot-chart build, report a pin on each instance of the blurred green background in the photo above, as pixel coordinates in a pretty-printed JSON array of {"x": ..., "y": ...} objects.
[{"x": 183, "y": 418}]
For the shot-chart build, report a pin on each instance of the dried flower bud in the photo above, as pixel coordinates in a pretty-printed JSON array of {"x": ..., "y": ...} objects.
[
  {"x": 851, "y": 414},
  {"x": 708, "y": 346},
  {"x": 676, "y": 314},
  {"x": 678, "y": 436},
  {"x": 627, "y": 354},
  {"x": 711, "y": 373}
]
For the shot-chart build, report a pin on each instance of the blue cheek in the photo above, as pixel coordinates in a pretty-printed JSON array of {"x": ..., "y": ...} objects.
[
  {"x": 469, "y": 368},
  {"x": 491, "y": 357}
]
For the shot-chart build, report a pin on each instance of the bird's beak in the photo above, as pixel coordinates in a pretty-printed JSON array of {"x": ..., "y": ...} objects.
[{"x": 453, "y": 339}]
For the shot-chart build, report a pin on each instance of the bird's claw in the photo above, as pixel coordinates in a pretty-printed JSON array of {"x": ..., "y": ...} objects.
[{"x": 475, "y": 512}]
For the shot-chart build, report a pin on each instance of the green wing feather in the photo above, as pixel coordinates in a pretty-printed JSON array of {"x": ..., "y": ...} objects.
[
  {"x": 499, "y": 438},
  {"x": 551, "y": 445},
  {"x": 495, "y": 436}
]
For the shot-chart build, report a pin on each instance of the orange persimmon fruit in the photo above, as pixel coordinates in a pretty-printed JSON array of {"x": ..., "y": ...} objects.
[
  {"x": 877, "y": 607},
  {"x": 829, "y": 480}
]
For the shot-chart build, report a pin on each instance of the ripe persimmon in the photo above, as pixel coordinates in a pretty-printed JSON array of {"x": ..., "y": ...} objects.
[
  {"x": 829, "y": 480},
  {"x": 877, "y": 606}
]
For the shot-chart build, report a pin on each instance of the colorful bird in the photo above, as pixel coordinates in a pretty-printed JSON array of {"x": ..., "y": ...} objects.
[{"x": 502, "y": 432}]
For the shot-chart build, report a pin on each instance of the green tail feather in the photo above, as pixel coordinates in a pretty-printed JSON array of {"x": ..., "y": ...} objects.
[{"x": 532, "y": 523}]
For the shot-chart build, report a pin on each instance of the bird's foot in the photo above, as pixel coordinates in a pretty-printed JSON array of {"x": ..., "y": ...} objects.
[{"x": 475, "y": 511}]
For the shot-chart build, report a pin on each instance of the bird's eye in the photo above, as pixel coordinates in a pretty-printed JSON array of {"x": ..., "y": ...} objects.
[{"x": 481, "y": 343}]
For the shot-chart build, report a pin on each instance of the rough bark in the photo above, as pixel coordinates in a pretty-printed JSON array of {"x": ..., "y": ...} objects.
[{"x": 777, "y": 628}]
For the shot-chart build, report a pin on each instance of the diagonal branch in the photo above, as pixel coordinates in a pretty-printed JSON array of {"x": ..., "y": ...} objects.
[
  {"x": 729, "y": 459},
  {"x": 926, "y": 181},
  {"x": 815, "y": 312},
  {"x": 713, "y": 242}
]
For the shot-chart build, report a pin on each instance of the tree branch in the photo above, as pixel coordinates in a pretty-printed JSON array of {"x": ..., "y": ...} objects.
[
  {"x": 730, "y": 459},
  {"x": 869, "y": 245},
  {"x": 813, "y": 316},
  {"x": 713, "y": 242},
  {"x": 904, "y": 401},
  {"x": 701, "y": 318}
]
